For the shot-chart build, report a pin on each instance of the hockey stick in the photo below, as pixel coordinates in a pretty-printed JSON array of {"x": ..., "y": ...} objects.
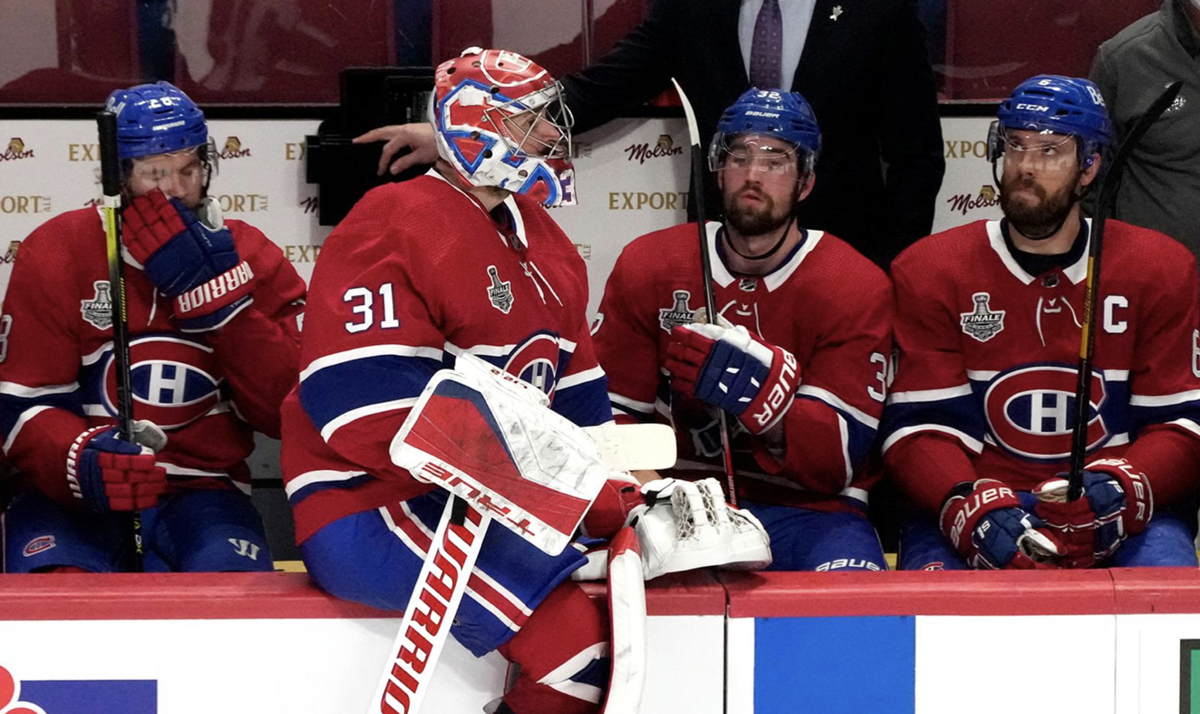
[
  {"x": 710, "y": 301},
  {"x": 110, "y": 179},
  {"x": 435, "y": 598},
  {"x": 1087, "y": 347}
]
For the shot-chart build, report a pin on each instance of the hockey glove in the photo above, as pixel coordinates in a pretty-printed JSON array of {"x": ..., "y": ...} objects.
[
  {"x": 193, "y": 261},
  {"x": 1116, "y": 504},
  {"x": 727, "y": 368},
  {"x": 110, "y": 474},
  {"x": 988, "y": 527}
]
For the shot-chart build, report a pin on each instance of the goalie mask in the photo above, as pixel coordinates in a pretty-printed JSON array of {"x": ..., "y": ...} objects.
[{"x": 499, "y": 121}]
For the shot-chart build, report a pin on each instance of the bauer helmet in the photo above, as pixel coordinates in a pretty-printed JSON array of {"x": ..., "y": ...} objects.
[{"x": 782, "y": 115}]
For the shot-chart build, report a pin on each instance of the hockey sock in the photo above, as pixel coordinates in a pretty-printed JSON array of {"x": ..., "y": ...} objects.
[{"x": 563, "y": 654}]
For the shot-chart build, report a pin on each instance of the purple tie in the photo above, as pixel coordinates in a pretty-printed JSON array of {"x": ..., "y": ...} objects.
[{"x": 767, "y": 50}]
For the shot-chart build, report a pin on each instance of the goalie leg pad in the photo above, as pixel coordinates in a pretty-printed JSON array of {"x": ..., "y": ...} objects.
[
  {"x": 563, "y": 653},
  {"x": 627, "y": 612},
  {"x": 373, "y": 557}
]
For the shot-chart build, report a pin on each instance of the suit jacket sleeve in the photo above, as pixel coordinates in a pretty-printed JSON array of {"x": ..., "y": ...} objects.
[
  {"x": 910, "y": 132},
  {"x": 632, "y": 73}
]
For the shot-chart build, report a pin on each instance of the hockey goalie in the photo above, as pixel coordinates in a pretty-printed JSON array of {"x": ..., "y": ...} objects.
[{"x": 451, "y": 432}]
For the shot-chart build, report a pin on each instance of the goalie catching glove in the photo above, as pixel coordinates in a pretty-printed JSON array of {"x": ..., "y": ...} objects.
[
  {"x": 1116, "y": 503},
  {"x": 191, "y": 260},
  {"x": 988, "y": 527},
  {"x": 687, "y": 525},
  {"x": 728, "y": 368}
]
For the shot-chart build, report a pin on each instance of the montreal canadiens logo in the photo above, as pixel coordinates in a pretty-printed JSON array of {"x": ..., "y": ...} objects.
[
  {"x": 39, "y": 545},
  {"x": 1031, "y": 411},
  {"x": 536, "y": 361},
  {"x": 174, "y": 380}
]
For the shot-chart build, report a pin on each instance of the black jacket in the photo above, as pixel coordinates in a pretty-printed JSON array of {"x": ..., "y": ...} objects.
[{"x": 866, "y": 74}]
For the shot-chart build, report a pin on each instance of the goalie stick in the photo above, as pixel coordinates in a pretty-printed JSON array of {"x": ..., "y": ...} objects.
[
  {"x": 431, "y": 428},
  {"x": 710, "y": 301},
  {"x": 110, "y": 179},
  {"x": 1087, "y": 346}
]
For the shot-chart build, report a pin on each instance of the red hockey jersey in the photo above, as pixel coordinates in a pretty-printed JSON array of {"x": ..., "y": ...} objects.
[
  {"x": 416, "y": 274},
  {"x": 826, "y": 304},
  {"x": 208, "y": 391},
  {"x": 988, "y": 359}
]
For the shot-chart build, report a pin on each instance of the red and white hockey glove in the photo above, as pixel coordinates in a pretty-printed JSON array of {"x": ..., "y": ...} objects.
[
  {"x": 988, "y": 527},
  {"x": 728, "y": 368},
  {"x": 194, "y": 261},
  {"x": 110, "y": 474},
  {"x": 1116, "y": 503}
]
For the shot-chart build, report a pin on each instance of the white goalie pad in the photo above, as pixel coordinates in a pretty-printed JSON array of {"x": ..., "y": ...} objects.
[
  {"x": 489, "y": 438},
  {"x": 627, "y": 614},
  {"x": 689, "y": 525}
]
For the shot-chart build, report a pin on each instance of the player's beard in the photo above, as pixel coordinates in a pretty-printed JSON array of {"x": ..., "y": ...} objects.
[
  {"x": 1035, "y": 220},
  {"x": 760, "y": 221}
]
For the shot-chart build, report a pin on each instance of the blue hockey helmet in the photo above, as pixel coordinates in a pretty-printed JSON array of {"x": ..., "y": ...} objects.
[
  {"x": 156, "y": 119},
  {"x": 782, "y": 115},
  {"x": 1064, "y": 105}
]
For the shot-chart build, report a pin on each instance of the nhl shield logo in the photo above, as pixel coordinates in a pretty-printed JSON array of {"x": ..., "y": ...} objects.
[
  {"x": 678, "y": 314},
  {"x": 499, "y": 292},
  {"x": 98, "y": 310},
  {"x": 982, "y": 323}
]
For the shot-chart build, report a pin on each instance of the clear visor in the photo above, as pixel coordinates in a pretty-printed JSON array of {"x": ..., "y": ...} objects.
[
  {"x": 538, "y": 125},
  {"x": 763, "y": 154},
  {"x": 1042, "y": 151},
  {"x": 179, "y": 168}
]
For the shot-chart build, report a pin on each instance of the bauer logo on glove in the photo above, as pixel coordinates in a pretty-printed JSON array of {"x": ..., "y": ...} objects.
[{"x": 728, "y": 368}]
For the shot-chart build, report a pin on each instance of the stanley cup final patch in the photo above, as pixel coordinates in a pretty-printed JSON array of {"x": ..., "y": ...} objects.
[
  {"x": 98, "y": 310},
  {"x": 982, "y": 323},
  {"x": 678, "y": 314},
  {"x": 499, "y": 292}
]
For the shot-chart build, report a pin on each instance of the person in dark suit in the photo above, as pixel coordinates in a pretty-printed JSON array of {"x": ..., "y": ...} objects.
[{"x": 862, "y": 65}]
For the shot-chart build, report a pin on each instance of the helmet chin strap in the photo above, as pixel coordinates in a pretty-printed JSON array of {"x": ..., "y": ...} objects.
[{"x": 761, "y": 256}]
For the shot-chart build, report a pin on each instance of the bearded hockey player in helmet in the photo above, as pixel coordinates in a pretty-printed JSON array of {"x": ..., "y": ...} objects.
[
  {"x": 214, "y": 346},
  {"x": 979, "y": 422},
  {"x": 796, "y": 358}
]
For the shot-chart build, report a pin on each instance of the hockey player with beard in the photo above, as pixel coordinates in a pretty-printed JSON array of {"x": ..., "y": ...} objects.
[
  {"x": 797, "y": 356},
  {"x": 977, "y": 431},
  {"x": 213, "y": 310}
]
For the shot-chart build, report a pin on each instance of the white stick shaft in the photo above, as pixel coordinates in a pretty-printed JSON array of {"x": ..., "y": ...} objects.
[{"x": 431, "y": 608}]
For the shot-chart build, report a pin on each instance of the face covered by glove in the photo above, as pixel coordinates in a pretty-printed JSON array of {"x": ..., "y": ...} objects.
[
  {"x": 728, "y": 368},
  {"x": 192, "y": 260},
  {"x": 988, "y": 527},
  {"x": 1116, "y": 503}
]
